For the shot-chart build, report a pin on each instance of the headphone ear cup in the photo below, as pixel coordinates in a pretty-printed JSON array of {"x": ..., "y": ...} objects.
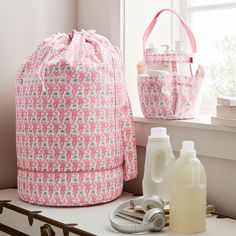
[
  {"x": 155, "y": 216},
  {"x": 152, "y": 202}
]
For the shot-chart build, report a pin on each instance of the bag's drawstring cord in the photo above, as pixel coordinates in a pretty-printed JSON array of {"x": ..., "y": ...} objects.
[{"x": 43, "y": 66}]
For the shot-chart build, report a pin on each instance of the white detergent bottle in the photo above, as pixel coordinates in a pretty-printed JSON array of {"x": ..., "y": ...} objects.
[
  {"x": 158, "y": 163},
  {"x": 188, "y": 192}
]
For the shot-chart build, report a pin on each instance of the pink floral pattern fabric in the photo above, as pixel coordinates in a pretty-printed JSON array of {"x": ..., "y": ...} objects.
[
  {"x": 169, "y": 94},
  {"x": 168, "y": 97},
  {"x": 74, "y": 128},
  {"x": 153, "y": 58}
]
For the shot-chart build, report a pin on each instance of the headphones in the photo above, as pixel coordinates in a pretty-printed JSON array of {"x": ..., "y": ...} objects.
[{"x": 154, "y": 218}]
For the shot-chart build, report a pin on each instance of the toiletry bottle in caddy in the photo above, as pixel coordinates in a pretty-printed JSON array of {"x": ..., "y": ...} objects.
[
  {"x": 158, "y": 163},
  {"x": 162, "y": 68},
  {"x": 188, "y": 192}
]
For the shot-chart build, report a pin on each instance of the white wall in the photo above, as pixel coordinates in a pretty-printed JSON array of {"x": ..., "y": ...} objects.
[
  {"x": 102, "y": 16},
  {"x": 93, "y": 14},
  {"x": 23, "y": 24}
]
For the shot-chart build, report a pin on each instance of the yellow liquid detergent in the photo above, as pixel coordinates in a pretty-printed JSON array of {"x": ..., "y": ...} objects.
[{"x": 188, "y": 192}]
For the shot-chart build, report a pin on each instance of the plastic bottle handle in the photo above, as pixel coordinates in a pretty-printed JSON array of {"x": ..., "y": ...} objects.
[
  {"x": 157, "y": 175},
  {"x": 153, "y": 23}
]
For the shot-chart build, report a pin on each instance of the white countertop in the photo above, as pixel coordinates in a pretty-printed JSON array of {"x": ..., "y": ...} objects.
[{"x": 95, "y": 219}]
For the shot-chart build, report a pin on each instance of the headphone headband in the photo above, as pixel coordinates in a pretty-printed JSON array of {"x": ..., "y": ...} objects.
[{"x": 151, "y": 202}]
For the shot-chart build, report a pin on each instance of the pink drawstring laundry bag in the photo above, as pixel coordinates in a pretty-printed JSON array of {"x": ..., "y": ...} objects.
[
  {"x": 74, "y": 127},
  {"x": 164, "y": 92}
]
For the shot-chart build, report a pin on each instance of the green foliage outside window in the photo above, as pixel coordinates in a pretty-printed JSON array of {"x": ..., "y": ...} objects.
[{"x": 223, "y": 74}]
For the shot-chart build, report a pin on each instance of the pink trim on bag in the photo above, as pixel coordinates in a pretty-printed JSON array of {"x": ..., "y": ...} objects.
[
  {"x": 73, "y": 172},
  {"x": 152, "y": 24}
]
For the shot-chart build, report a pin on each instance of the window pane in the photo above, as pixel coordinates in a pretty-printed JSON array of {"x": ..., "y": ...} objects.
[
  {"x": 210, "y": 2},
  {"x": 216, "y": 39}
]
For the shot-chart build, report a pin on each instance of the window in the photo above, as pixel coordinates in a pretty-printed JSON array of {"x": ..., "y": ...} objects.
[{"x": 212, "y": 23}]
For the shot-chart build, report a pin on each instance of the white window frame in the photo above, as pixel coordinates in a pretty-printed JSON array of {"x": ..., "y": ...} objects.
[{"x": 186, "y": 10}]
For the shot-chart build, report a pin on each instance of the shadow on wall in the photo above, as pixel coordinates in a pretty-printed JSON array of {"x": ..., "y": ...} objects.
[{"x": 135, "y": 185}]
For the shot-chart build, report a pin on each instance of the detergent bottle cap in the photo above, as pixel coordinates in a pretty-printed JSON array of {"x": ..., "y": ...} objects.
[{"x": 158, "y": 132}]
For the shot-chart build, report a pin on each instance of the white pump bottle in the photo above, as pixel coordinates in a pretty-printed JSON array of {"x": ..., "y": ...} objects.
[
  {"x": 188, "y": 192},
  {"x": 158, "y": 163}
]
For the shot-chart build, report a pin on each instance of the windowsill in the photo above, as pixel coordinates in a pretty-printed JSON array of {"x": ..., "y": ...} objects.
[
  {"x": 200, "y": 122},
  {"x": 210, "y": 140}
]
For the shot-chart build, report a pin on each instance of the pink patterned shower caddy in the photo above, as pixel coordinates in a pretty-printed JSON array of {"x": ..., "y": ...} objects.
[{"x": 171, "y": 96}]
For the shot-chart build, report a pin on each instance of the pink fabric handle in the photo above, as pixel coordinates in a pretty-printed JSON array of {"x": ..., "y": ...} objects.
[{"x": 152, "y": 24}]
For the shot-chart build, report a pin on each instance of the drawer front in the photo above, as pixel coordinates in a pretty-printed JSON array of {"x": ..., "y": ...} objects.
[{"x": 18, "y": 221}]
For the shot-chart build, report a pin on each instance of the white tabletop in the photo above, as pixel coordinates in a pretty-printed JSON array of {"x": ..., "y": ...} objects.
[{"x": 95, "y": 219}]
